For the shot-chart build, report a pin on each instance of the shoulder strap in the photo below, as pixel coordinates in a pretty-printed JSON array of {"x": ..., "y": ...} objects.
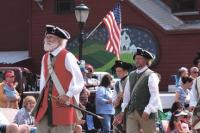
[
  {"x": 52, "y": 65},
  {"x": 139, "y": 80},
  {"x": 54, "y": 77}
]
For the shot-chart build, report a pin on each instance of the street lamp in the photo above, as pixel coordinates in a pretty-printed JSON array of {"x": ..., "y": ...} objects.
[{"x": 81, "y": 13}]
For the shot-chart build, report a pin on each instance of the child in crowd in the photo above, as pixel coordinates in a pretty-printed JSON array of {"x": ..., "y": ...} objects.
[
  {"x": 179, "y": 122},
  {"x": 24, "y": 114}
]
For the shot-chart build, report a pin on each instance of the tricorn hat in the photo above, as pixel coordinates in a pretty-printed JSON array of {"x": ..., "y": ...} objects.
[
  {"x": 122, "y": 64},
  {"x": 142, "y": 52},
  {"x": 51, "y": 29}
]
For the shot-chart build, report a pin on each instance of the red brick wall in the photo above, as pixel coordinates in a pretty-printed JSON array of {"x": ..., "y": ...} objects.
[
  {"x": 14, "y": 25},
  {"x": 176, "y": 49},
  {"x": 47, "y": 16}
]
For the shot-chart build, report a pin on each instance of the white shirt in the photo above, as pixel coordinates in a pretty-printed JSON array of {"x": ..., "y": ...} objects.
[
  {"x": 154, "y": 102},
  {"x": 77, "y": 82},
  {"x": 193, "y": 95}
]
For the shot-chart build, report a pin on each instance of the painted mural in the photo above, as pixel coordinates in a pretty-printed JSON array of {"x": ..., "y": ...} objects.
[{"x": 131, "y": 37}]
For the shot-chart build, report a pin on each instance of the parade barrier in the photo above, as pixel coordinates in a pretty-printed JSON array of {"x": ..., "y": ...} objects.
[{"x": 167, "y": 99}]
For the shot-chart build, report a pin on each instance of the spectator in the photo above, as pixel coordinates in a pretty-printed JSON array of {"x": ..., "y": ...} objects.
[
  {"x": 194, "y": 72},
  {"x": 177, "y": 106},
  {"x": 84, "y": 103},
  {"x": 91, "y": 82},
  {"x": 182, "y": 72},
  {"x": 23, "y": 115},
  {"x": 178, "y": 123},
  {"x": 104, "y": 103},
  {"x": 84, "y": 97},
  {"x": 196, "y": 60},
  {"x": 9, "y": 97},
  {"x": 6, "y": 127},
  {"x": 182, "y": 92}
]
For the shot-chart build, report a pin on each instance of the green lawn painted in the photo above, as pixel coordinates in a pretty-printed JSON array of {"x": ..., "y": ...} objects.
[{"x": 94, "y": 53}]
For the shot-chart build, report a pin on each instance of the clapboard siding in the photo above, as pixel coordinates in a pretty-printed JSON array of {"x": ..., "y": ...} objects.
[{"x": 14, "y": 25}]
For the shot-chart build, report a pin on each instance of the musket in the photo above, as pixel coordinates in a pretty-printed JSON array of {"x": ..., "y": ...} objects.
[{"x": 77, "y": 107}]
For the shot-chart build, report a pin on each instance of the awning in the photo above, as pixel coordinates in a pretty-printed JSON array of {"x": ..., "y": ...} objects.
[{"x": 11, "y": 57}]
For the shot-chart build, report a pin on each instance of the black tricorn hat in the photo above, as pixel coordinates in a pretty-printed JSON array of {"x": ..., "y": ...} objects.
[
  {"x": 196, "y": 59},
  {"x": 51, "y": 29},
  {"x": 122, "y": 64},
  {"x": 146, "y": 54}
]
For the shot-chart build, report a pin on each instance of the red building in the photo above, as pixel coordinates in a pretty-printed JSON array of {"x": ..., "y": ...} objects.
[{"x": 175, "y": 27}]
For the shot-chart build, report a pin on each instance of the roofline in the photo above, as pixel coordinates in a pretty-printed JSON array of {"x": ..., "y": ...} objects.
[{"x": 156, "y": 25}]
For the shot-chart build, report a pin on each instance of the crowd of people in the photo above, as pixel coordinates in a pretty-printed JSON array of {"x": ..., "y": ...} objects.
[
  {"x": 184, "y": 111},
  {"x": 131, "y": 104}
]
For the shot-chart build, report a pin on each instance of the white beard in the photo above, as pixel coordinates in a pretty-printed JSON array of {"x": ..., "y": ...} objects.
[{"x": 49, "y": 47}]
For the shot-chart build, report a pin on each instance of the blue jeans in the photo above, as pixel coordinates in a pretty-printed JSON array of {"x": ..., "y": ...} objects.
[{"x": 106, "y": 123}]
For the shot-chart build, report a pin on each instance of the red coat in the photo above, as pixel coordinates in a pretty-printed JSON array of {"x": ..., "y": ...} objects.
[{"x": 60, "y": 115}]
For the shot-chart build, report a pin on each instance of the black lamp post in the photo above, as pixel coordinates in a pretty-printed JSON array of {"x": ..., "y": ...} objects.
[{"x": 81, "y": 13}]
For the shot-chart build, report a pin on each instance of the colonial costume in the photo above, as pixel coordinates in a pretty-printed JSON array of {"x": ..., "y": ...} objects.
[
  {"x": 119, "y": 90},
  {"x": 141, "y": 97},
  {"x": 60, "y": 75}
]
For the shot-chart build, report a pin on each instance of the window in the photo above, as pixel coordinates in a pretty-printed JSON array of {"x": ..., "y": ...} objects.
[
  {"x": 63, "y": 6},
  {"x": 184, "y": 6}
]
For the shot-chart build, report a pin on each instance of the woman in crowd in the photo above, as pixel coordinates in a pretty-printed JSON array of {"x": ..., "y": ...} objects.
[
  {"x": 9, "y": 97},
  {"x": 182, "y": 72},
  {"x": 194, "y": 72},
  {"x": 104, "y": 105},
  {"x": 182, "y": 92}
]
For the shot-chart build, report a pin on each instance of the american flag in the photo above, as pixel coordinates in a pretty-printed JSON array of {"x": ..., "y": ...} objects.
[{"x": 113, "y": 24}]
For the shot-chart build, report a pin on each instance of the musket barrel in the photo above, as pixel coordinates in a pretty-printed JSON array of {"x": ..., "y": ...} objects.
[{"x": 77, "y": 107}]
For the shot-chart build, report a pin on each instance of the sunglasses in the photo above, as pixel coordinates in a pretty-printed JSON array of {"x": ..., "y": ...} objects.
[{"x": 195, "y": 72}]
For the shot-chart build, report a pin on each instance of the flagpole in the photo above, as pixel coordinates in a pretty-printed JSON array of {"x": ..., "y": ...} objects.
[{"x": 94, "y": 30}]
